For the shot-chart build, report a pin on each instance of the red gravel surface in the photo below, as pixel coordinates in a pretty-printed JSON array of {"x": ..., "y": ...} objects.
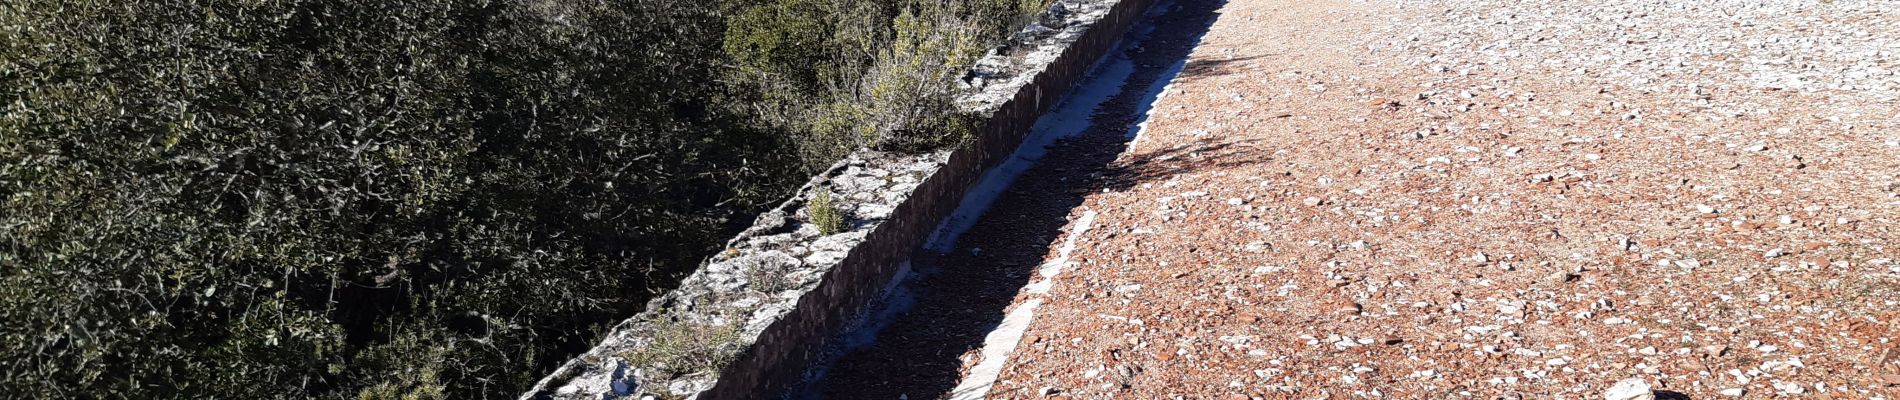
[
  {"x": 1471, "y": 198},
  {"x": 1322, "y": 214}
]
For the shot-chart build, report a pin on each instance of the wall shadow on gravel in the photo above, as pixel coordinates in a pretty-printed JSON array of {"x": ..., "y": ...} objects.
[
  {"x": 1190, "y": 158},
  {"x": 1200, "y": 69},
  {"x": 956, "y": 299},
  {"x": 1670, "y": 395}
]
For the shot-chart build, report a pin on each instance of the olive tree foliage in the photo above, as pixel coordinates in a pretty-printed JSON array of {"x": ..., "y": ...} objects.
[{"x": 352, "y": 198}]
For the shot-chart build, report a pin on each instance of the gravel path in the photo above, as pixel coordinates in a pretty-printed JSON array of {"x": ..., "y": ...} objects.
[{"x": 1469, "y": 198}]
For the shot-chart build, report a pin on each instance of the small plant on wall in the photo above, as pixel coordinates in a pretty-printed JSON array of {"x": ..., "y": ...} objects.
[
  {"x": 687, "y": 348},
  {"x": 824, "y": 213}
]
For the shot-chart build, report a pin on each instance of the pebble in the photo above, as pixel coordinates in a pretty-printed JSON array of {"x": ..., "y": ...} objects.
[
  {"x": 1630, "y": 389},
  {"x": 1733, "y": 392},
  {"x": 1715, "y": 350},
  {"x": 1790, "y": 388},
  {"x": 1560, "y": 277}
]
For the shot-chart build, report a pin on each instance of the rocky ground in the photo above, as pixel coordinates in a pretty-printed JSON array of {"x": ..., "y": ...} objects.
[{"x": 1474, "y": 198}]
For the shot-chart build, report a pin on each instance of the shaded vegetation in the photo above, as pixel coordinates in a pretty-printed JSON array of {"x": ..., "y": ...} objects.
[{"x": 412, "y": 199}]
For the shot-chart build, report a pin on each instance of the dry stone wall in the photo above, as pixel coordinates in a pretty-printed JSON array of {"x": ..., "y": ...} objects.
[{"x": 747, "y": 322}]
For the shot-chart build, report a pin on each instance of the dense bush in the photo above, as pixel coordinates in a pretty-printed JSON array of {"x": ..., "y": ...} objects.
[
  {"x": 276, "y": 198},
  {"x": 854, "y": 73},
  {"x": 404, "y": 198}
]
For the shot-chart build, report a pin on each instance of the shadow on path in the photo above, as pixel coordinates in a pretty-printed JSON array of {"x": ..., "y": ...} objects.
[{"x": 954, "y": 299}]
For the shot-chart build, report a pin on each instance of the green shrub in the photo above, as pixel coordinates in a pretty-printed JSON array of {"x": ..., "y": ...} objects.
[
  {"x": 681, "y": 348},
  {"x": 332, "y": 198},
  {"x": 824, "y": 214},
  {"x": 910, "y": 89},
  {"x": 410, "y": 380},
  {"x": 864, "y": 73}
]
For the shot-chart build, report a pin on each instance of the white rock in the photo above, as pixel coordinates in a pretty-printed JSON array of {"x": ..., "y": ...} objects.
[
  {"x": 1790, "y": 387},
  {"x": 1630, "y": 389},
  {"x": 1733, "y": 392},
  {"x": 1773, "y": 366}
]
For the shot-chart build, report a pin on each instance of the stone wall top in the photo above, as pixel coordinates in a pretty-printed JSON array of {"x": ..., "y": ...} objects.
[{"x": 998, "y": 77}]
